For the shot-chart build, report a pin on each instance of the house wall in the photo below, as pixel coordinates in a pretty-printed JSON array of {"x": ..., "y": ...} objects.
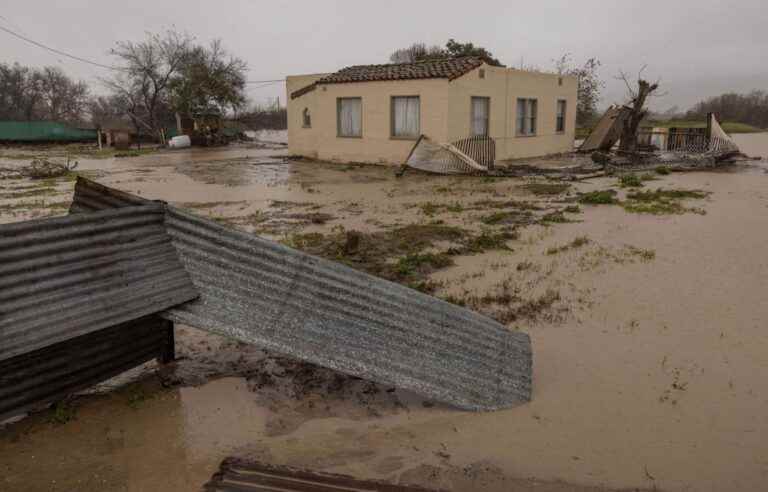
[
  {"x": 376, "y": 144},
  {"x": 504, "y": 86},
  {"x": 445, "y": 114}
]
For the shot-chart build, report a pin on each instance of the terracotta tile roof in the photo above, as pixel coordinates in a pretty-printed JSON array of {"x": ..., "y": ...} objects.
[{"x": 449, "y": 68}]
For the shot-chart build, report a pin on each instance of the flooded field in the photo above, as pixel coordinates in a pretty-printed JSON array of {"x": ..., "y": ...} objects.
[{"x": 646, "y": 311}]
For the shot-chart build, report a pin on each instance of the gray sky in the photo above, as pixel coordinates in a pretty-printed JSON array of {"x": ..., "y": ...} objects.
[{"x": 698, "y": 48}]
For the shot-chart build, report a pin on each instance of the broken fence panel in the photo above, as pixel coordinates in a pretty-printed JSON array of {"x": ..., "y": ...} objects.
[
  {"x": 262, "y": 292},
  {"x": 67, "y": 276}
]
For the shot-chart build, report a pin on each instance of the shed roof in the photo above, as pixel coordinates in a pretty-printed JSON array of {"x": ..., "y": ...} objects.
[{"x": 449, "y": 68}]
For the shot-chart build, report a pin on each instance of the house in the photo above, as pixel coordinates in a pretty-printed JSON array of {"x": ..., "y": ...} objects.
[{"x": 375, "y": 113}]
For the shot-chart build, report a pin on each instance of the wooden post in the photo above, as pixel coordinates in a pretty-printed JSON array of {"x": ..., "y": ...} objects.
[
  {"x": 709, "y": 127},
  {"x": 98, "y": 136}
]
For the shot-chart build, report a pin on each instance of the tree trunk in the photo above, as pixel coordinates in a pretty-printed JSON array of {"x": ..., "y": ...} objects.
[{"x": 637, "y": 114}]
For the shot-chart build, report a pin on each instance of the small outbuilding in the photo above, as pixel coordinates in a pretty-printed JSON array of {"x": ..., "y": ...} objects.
[{"x": 375, "y": 113}]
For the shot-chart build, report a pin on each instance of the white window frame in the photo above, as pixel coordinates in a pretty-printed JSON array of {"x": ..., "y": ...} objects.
[
  {"x": 560, "y": 119},
  {"x": 393, "y": 118},
  {"x": 472, "y": 116},
  {"x": 527, "y": 125},
  {"x": 339, "y": 102}
]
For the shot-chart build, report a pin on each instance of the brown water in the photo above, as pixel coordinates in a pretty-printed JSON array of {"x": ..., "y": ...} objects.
[{"x": 648, "y": 372}]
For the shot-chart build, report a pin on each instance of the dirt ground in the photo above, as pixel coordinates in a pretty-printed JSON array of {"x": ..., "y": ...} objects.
[{"x": 646, "y": 316}]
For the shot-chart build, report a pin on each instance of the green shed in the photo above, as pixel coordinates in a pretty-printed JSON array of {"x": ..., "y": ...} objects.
[{"x": 43, "y": 131}]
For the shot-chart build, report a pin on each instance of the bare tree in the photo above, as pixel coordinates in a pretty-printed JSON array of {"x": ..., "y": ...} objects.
[
  {"x": 29, "y": 94},
  {"x": 420, "y": 52},
  {"x": 637, "y": 112},
  {"x": 590, "y": 86},
  {"x": 417, "y": 52},
  {"x": 62, "y": 98},
  {"x": 210, "y": 79},
  {"x": 148, "y": 67}
]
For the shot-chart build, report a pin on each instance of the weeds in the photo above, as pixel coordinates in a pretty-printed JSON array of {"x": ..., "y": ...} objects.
[
  {"x": 662, "y": 202},
  {"x": 488, "y": 240},
  {"x": 575, "y": 244},
  {"x": 663, "y": 170},
  {"x": 423, "y": 263},
  {"x": 634, "y": 180},
  {"x": 556, "y": 217},
  {"x": 601, "y": 197}
]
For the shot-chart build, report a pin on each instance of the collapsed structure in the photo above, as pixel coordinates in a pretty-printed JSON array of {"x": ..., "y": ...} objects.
[{"x": 237, "y": 285}]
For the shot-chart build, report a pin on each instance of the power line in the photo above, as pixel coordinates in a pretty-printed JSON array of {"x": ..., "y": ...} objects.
[
  {"x": 108, "y": 67},
  {"x": 264, "y": 81},
  {"x": 58, "y": 52}
]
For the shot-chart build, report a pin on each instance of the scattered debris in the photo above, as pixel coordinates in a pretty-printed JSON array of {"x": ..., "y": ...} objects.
[{"x": 238, "y": 475}]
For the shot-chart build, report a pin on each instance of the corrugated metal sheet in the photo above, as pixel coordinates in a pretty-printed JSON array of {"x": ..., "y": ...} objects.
[
  {"x": 50, "y": 373},
  {"x": 323, "y": 312},
  {"x": 43, "y": 131},
  {"x": 237, "y": 475},
  {"x": 607, "y": 131},
  {"x": 67, "y": 276}
]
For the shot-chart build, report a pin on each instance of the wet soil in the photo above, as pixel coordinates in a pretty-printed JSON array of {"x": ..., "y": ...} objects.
[{"x": 647, "y": 332}]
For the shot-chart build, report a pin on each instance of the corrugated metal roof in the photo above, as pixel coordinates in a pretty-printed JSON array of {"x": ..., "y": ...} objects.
[
  {"x": 52, "y": 372},
  {"x": 238, "y": 475},
  {"x": 63, "y": 277},
  {"x": 323, "y": 312}
]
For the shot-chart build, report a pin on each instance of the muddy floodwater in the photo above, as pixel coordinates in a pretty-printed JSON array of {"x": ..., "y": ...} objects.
[{"x": 647, "y": 317}]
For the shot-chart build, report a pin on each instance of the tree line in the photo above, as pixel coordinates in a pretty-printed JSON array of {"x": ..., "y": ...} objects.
[
  {"x": 153, "y": 80},
  {"x": 750, "y": 108}
]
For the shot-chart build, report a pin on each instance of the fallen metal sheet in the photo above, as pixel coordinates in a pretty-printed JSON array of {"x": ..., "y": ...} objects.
[
  {"x": 237, "y": 475},
  {"x": 607, "y": 131},
  {"x": 261, "y": 292},
  {"x": 48, "y": 374},
  {"x": 67, "y": 276}
]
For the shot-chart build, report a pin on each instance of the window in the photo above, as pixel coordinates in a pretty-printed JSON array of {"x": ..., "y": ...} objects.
[
  {"x": 480, "y": 111},
  {"x": 306, "y": 118},
  {"x": 526, "y": 116},
  {"x": 405, "y": 117},
  {"x": 560, "y": 124},
  {"x": 349, "y": 117}
]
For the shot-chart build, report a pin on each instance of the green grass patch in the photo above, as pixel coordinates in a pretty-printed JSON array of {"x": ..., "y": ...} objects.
[
  {"x": 424, "y": 263},
  {"x": 662, "y": 202},
  {"x": 599, "y": 197},
  {"x": 635, "y": 180},
  {"x": 663, "y": 170}
]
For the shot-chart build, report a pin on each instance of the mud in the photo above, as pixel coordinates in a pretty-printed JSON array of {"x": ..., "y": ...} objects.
[{"x": 647, "y": 333}]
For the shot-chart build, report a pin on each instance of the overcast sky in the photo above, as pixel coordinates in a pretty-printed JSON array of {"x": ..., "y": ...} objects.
[{"x": 697, "y": 48}]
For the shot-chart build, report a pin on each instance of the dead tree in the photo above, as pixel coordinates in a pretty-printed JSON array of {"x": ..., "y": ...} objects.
[{"x": 637, "y": 111}]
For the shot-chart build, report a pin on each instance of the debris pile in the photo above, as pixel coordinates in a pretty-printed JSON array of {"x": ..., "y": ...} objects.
[{"x": 44, "y": 169}]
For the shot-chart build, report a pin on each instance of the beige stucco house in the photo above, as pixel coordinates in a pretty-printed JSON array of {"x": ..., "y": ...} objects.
[{"x": 374, "y": 113}]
